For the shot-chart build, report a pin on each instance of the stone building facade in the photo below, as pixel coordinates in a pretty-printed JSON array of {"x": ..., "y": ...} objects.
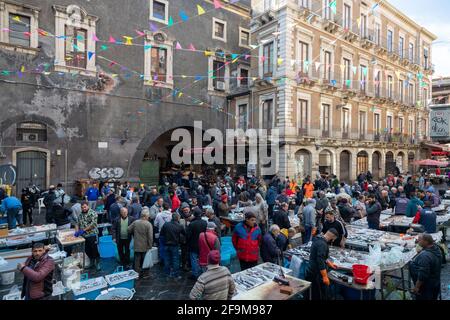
[
  {"x": 89, "y": 87},
  {"x": 346, "y": 85}
]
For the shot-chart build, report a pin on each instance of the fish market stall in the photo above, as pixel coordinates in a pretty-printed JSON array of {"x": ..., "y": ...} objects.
[
  {"x": 234, "y": 217},
  {"x": 258, "y": 283},
  {"x": 66, "y": 238},
  {"x": 26, "y": 236}
]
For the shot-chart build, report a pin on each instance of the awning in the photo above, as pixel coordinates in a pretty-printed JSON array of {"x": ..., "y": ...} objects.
[{"x": 433, "y": 146}]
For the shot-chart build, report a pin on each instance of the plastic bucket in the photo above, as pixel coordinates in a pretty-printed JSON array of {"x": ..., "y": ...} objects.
[
  {"x": 361, "y": 273},
  {"x": 7, "y": 278},
  {"x": 105, "y": 239},
  {"x": 117, "y": 294},
  {"x": 107, "y": 250}
]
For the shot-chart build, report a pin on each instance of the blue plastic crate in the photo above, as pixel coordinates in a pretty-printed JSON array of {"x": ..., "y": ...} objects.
[
  {"x": 90, "y": 294},
  {"x": 107, "y": 250},
  {"x": 105, "y": 239}
]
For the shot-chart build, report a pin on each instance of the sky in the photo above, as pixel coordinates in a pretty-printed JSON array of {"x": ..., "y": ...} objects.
[{"x": 433, "y": 15}]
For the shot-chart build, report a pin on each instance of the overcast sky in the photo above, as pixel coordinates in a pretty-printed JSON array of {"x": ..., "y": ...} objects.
[{"x": 435, "y": 16}]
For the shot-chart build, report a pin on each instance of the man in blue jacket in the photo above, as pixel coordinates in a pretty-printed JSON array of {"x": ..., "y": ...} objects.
[
  {"x": 270, "y": 199},
  {"x": 11, "y": 206},
  {"x": 92, "y": 194},
  {"x": 428, "y": 218}
]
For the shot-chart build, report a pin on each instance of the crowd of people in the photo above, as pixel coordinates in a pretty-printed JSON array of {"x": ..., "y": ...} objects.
[{"x": 182, "y": 217}]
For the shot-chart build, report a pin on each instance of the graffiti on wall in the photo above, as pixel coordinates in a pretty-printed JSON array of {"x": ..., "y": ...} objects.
[
  {"x": 440, "y": 121},
  {"x": 8, "y": 174},
  {"x": 106, "y": 173}
]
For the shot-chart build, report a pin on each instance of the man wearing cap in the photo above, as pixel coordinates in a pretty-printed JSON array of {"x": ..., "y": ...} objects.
[
  {"x": 223, "y": 209},
  {"x": 317, "y": 272},
  {"x": 207, "y": 242},
  {"x": 216, "y": 283},
  {"x": 332, "y": 223},
  {"x": 195, "y": 228}
]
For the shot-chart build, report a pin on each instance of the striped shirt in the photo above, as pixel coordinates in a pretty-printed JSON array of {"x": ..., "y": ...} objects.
[{"x": 214, "y": 284}]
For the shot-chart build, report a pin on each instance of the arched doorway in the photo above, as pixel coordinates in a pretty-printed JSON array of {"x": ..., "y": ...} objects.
[
  {"x": 376, "y": 165},
  {"x": 303, "y": 164},
  {"x": 390, "y": 163},
  {"x": 344, "y": 162},
  {"x": 32, "y": 168},
  {"x": 325, "y": 162},
  {"x": 411, "y": 158},
  {"x": 400, "y": 160},
  {"x": 362, "y": 162}
]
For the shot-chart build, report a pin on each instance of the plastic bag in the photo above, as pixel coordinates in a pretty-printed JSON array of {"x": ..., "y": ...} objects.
[
  {"x": 296, "y": 265},
  {"x": 148, "y": 261},
  {"x": 2, "y": 261},
  {"x": 374, "y": 258},
  {"x": 394, "y": 256}
]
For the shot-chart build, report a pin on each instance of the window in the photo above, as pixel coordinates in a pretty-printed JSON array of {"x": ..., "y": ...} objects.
[
  {"x": 219, "y": 30},
  {"x": 304, "y": 56},
  {"x": 347, "y": 73},
  {"x": 159, "y": 11},
  {"x": 31, "y": 132},
  {"x": 362, "y": 77},
  {"x": 243, "y": 77},
  {"x": 378, "y": 84},
  {"x": 76, "y": 43},
  {"x": 269, "y": 4},
  {"x": 400, "y": 125},
  {"x": 425, "y": 128},
  {"x": 242, "y": 109},
  {"x": 411, "y": 127},
  {"x": 362, "y": 123},
  {"x": 326, "y": 120},
  {"x": 425, "y": 97},
  {"x": 401, "y": 44},
  {"x": 389, "y": 124},
  {"x": 377, "y": 33},
  {"x": 219, "y": 75},
  {"x": 425, "y": 58},
  {"x": 267, "y": 114},
  {"x": 345, "y": 122},
  {"x": 158, "y": 64},
  {"x": 401, "y": 84},
  {"x": 244, "y": 38},
  {"x": 411, "y": 52},
  {"x": 302, "y": 115},
  {"x": 347, "y": 17},
  {"x": 305, "y": 4},
  {"x": 19, "y": 29},
  {"x": 363, "y": 30},
  {"x": 268, "y": 59},
  {"x": 390, "y": 40},
  {"x": 411, "y": 93},
  {"x": 327, "y": 9},
  {"x": 327, "y": 66},
  {"x": 376, "y": 123},
  {"x": 389, "y": 87}
]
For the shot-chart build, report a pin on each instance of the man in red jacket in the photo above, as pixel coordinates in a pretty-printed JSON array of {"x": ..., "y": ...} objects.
[
  {"x": 176, "y": 203},
  {"x": 38, "y": 274},
  {"x": 246, "y": 240},
  {"x": 207, "y": 241}
]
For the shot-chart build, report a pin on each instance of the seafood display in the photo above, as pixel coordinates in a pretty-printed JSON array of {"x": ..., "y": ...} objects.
[
  {"x": 273, "y": 268},
  {"x": 90, "y": 285},
  {"x": 259, "y": 274},
  {"x": 245, "y": 283},
  {"x": 120, "y": 277}
]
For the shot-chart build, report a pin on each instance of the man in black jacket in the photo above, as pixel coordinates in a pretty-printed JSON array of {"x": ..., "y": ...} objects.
[
  {"x": 122, "y": 237},
  {"x": 172, "y": 232},
  {"x": 317, "y": 272},
  {"x": 269, "y": 249},
  {"x": 425, "y": 269},
  {"x": 197, "y": 226},
  {"x": 332, "y": 223},
  {"x": 346, "y": 211},
  {"x": 49, "y": 198},
  {"x": 373, "y": 209},
  {"x": 281, "y": 217}
]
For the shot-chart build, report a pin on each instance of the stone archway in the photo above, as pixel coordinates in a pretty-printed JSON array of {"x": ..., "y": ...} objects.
[
  {"x": 376, "y": 165},
  {"x": 390, "y": 163},
  {"x": 362, "y": 162},
  {"x": 400, "y": 161},
  {"x": 303, "y": 164},
  {"x": 345, "y": 159},
  {"x": 326, "y": 162}
]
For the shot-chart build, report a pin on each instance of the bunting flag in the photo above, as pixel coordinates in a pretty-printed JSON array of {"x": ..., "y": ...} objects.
[
  {"x": 348, "y": 83},
  {"x": 170, "y": 22},
  {"x": 247, "y": 56},
  {"x": 209, "y": 53},
  {"x": 200, "y": 10},
  {"x": 333, "y": 82},
  {"x": 147, "y": 47},
  {"x": 262, "y": 59},
  {"x": 128, "y": 41},
  {"x": 306, "y": 65},
  {"x": 111, "y": 39},
  {"x": 184, "y": 17},
  {"x": 364, "y": 70},
  {"x": 17, "y": 18},
  {"x": 95, "y": 38},
  {"x": 317, "y": 65},
  {"x": 333, "y": 6},
  {"x": 140, "y": 33},
  {"x": 22, "y": 69},
  {"x": 191, "y": 47},
  {"x": 217, "y": 4},
  {"x": 90, "y": 55},
  {"x": 104, "y": 47},
  {"x": 280, "y": 61},
  {"x": 178, "y": 46},
  {"x": 355, "y": 70},
  {"x": 234, "y": 56}
]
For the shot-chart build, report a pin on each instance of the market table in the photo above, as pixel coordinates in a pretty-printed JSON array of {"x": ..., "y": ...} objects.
[
  {"x": 24, "y": 236},
  {"x": 66, "y": 238},
  {"x": 271, "y": 290},
  {"x": 17, "y": 256},
  {"x": 336, "y": 278}
]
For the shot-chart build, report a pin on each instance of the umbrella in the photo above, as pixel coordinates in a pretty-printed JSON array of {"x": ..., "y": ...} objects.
[{"x": 431, "y": 163}]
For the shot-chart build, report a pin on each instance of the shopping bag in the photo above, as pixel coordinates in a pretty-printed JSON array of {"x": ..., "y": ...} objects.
[{"x": 148, "y": 261}]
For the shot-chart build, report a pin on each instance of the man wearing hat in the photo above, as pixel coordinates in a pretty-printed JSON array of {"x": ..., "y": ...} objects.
[
  {"x": 317, "y": 272},
  {"x": 223, "y": 209},
  {"x": 207, "y": 242},
  {"x": 216, "y": 283},
  {"x": 195, "y": 228}
]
